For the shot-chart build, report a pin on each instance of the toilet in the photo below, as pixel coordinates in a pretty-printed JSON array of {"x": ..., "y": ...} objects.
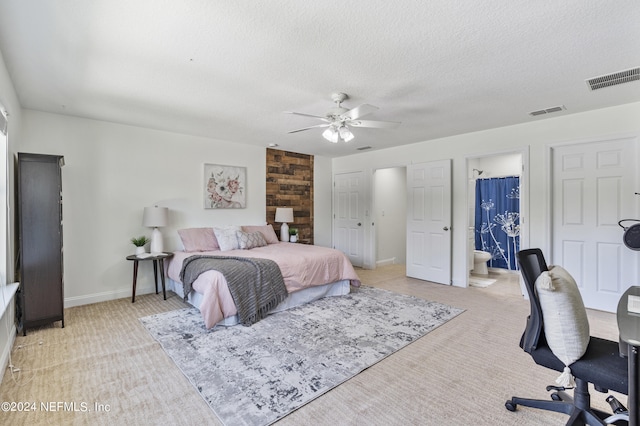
[
  {"x": 480, "y": 259},
  {"x": 477, "y": 258}
]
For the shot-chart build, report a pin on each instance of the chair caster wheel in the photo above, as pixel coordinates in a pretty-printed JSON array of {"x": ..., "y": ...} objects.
[
  {"x": 556, "y": 397},
  {"x": 510, "y": 405}
]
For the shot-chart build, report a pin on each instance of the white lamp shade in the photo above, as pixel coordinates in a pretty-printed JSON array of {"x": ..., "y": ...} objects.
[
  {"x": 155, "y": 216},
  {"x": 284, "y": 214}
]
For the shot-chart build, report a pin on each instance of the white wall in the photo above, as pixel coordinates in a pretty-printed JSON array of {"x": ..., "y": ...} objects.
[
  {"x": 535, "y": 136},
  {"x": 390, "y": 214},
  {"x": 113, "y": 171},
  {"x": 497, "y": 165}
]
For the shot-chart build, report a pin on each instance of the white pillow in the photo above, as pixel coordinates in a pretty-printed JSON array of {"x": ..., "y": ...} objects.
[
  {"x": 566, "y": 325},
  {"x": 226, "y": 237}
]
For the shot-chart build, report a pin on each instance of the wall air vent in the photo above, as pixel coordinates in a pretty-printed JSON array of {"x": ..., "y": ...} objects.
[
  {"x": 626, "y": 76},
  {"x": 363, "y": 148},
  {"x": 547, "y": 110}
]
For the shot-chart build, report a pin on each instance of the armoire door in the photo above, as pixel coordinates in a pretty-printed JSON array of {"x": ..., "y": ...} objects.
[{"x": 40, "y": 238}]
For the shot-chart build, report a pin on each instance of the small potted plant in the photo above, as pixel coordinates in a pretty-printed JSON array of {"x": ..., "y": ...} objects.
[
  {"x": 140, "y": 242},
  {"x": 293, "y": 235}
]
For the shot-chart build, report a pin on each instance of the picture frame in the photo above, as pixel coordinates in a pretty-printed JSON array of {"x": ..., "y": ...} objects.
[{"x": 224, "y": 187}]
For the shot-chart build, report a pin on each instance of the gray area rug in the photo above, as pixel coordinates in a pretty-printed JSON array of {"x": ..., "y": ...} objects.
[{"x": 259, "y": 374}]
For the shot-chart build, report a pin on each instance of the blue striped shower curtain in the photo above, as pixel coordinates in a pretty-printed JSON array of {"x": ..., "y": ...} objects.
[{"x": 497, "y": 220}]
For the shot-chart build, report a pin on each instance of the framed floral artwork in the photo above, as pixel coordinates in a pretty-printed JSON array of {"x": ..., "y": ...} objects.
[{"x": 224, "y": 187}]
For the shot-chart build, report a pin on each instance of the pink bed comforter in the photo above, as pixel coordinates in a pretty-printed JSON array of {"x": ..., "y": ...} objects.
[{"x": 301, "y": 265}]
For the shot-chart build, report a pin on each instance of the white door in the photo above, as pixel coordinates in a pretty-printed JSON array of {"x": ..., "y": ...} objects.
[
  {"x": 429, "y": 221},
  {"x": 348, "y": 216},
  {"x": 593, "y": 188}
]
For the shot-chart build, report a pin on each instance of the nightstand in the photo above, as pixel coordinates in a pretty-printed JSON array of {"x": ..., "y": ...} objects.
[{"x": 158, "y": 261}]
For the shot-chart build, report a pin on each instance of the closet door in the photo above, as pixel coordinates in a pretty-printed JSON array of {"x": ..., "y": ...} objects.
[
  {"x": 429, "y": 221},
  {"x": 594, "y": 185},
  {"x": 40, "y": 245}
]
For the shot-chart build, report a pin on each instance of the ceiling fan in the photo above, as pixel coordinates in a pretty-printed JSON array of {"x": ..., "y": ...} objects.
[{"x": 338, "y": 120}]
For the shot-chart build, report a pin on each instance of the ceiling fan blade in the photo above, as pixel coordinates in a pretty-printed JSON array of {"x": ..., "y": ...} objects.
[
  {"x": 307, "y": 115},
  {"x": 374, "y": 123},
  {"x": 310, "y": 127},
  {"x": 359, "y": 111}
]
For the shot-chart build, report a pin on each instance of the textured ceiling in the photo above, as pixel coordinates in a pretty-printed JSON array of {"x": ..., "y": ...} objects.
[{"x": 228, "y": 69}]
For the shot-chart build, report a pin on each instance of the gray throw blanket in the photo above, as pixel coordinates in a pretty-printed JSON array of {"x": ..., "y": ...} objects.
[{"x": 256, "y": 285}]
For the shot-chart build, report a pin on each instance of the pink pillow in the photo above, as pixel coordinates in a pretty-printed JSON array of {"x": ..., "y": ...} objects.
[
  {"x": 198, "y": 239},
  {"x": 266, "y": 230}
]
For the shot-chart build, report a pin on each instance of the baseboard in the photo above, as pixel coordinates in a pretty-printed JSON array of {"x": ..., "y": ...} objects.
[
  {"x": 88, "y": 299},
  {"x": 498, "y": 271},
  {"x": 385, "y": 262}
]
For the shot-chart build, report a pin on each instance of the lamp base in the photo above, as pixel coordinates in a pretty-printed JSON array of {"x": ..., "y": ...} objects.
[
  {"x": 156, "y": 242},
  {"x": 284, "y": 233}
]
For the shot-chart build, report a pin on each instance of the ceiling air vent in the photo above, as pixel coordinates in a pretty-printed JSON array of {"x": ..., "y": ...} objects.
[
  {"x": 547, "y": 110},
  {"x": 363, "y": 148},
  {"x": 626, "y": 76}
]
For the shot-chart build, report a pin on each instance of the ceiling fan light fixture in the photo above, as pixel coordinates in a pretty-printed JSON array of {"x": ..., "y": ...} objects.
[
  {"x": 331, "y": 134},
  {"x": 345, "y": 133},
  {"x": 338, "y": 120}
]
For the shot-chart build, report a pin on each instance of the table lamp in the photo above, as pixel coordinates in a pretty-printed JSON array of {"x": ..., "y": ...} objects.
[
  {"x": 155, "y": 217},
  {"x": 284, "y": 215}
]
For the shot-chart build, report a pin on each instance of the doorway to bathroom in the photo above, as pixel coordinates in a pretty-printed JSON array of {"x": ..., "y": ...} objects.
[{"x": 496, "y": 216}]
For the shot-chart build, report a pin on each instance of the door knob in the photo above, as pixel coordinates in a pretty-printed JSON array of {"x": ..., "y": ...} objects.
[
  {"x": 446, "y": 228},
  {"x": 359, "y": 224}
]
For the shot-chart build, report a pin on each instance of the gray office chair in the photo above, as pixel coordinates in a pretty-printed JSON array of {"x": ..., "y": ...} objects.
[{"x": 601, "y": 364}]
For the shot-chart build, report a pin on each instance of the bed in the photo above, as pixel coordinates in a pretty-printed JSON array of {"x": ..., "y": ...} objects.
[{"x": 309, "y": 272}]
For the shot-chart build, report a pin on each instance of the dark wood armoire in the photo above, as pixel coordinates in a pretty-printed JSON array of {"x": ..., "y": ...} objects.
[{"x": 39, "y": 217}]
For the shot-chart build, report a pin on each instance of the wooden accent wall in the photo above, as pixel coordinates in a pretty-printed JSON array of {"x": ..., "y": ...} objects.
[{"x": 290, "y": 184}]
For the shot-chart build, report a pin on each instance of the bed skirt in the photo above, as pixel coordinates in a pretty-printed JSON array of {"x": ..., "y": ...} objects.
[{"x": 339, "y": 288}]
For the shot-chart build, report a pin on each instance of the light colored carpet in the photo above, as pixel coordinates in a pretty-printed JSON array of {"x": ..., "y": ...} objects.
[
  {"x": 256, "y": 375},
  {"x": 460, "y": 373}
]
